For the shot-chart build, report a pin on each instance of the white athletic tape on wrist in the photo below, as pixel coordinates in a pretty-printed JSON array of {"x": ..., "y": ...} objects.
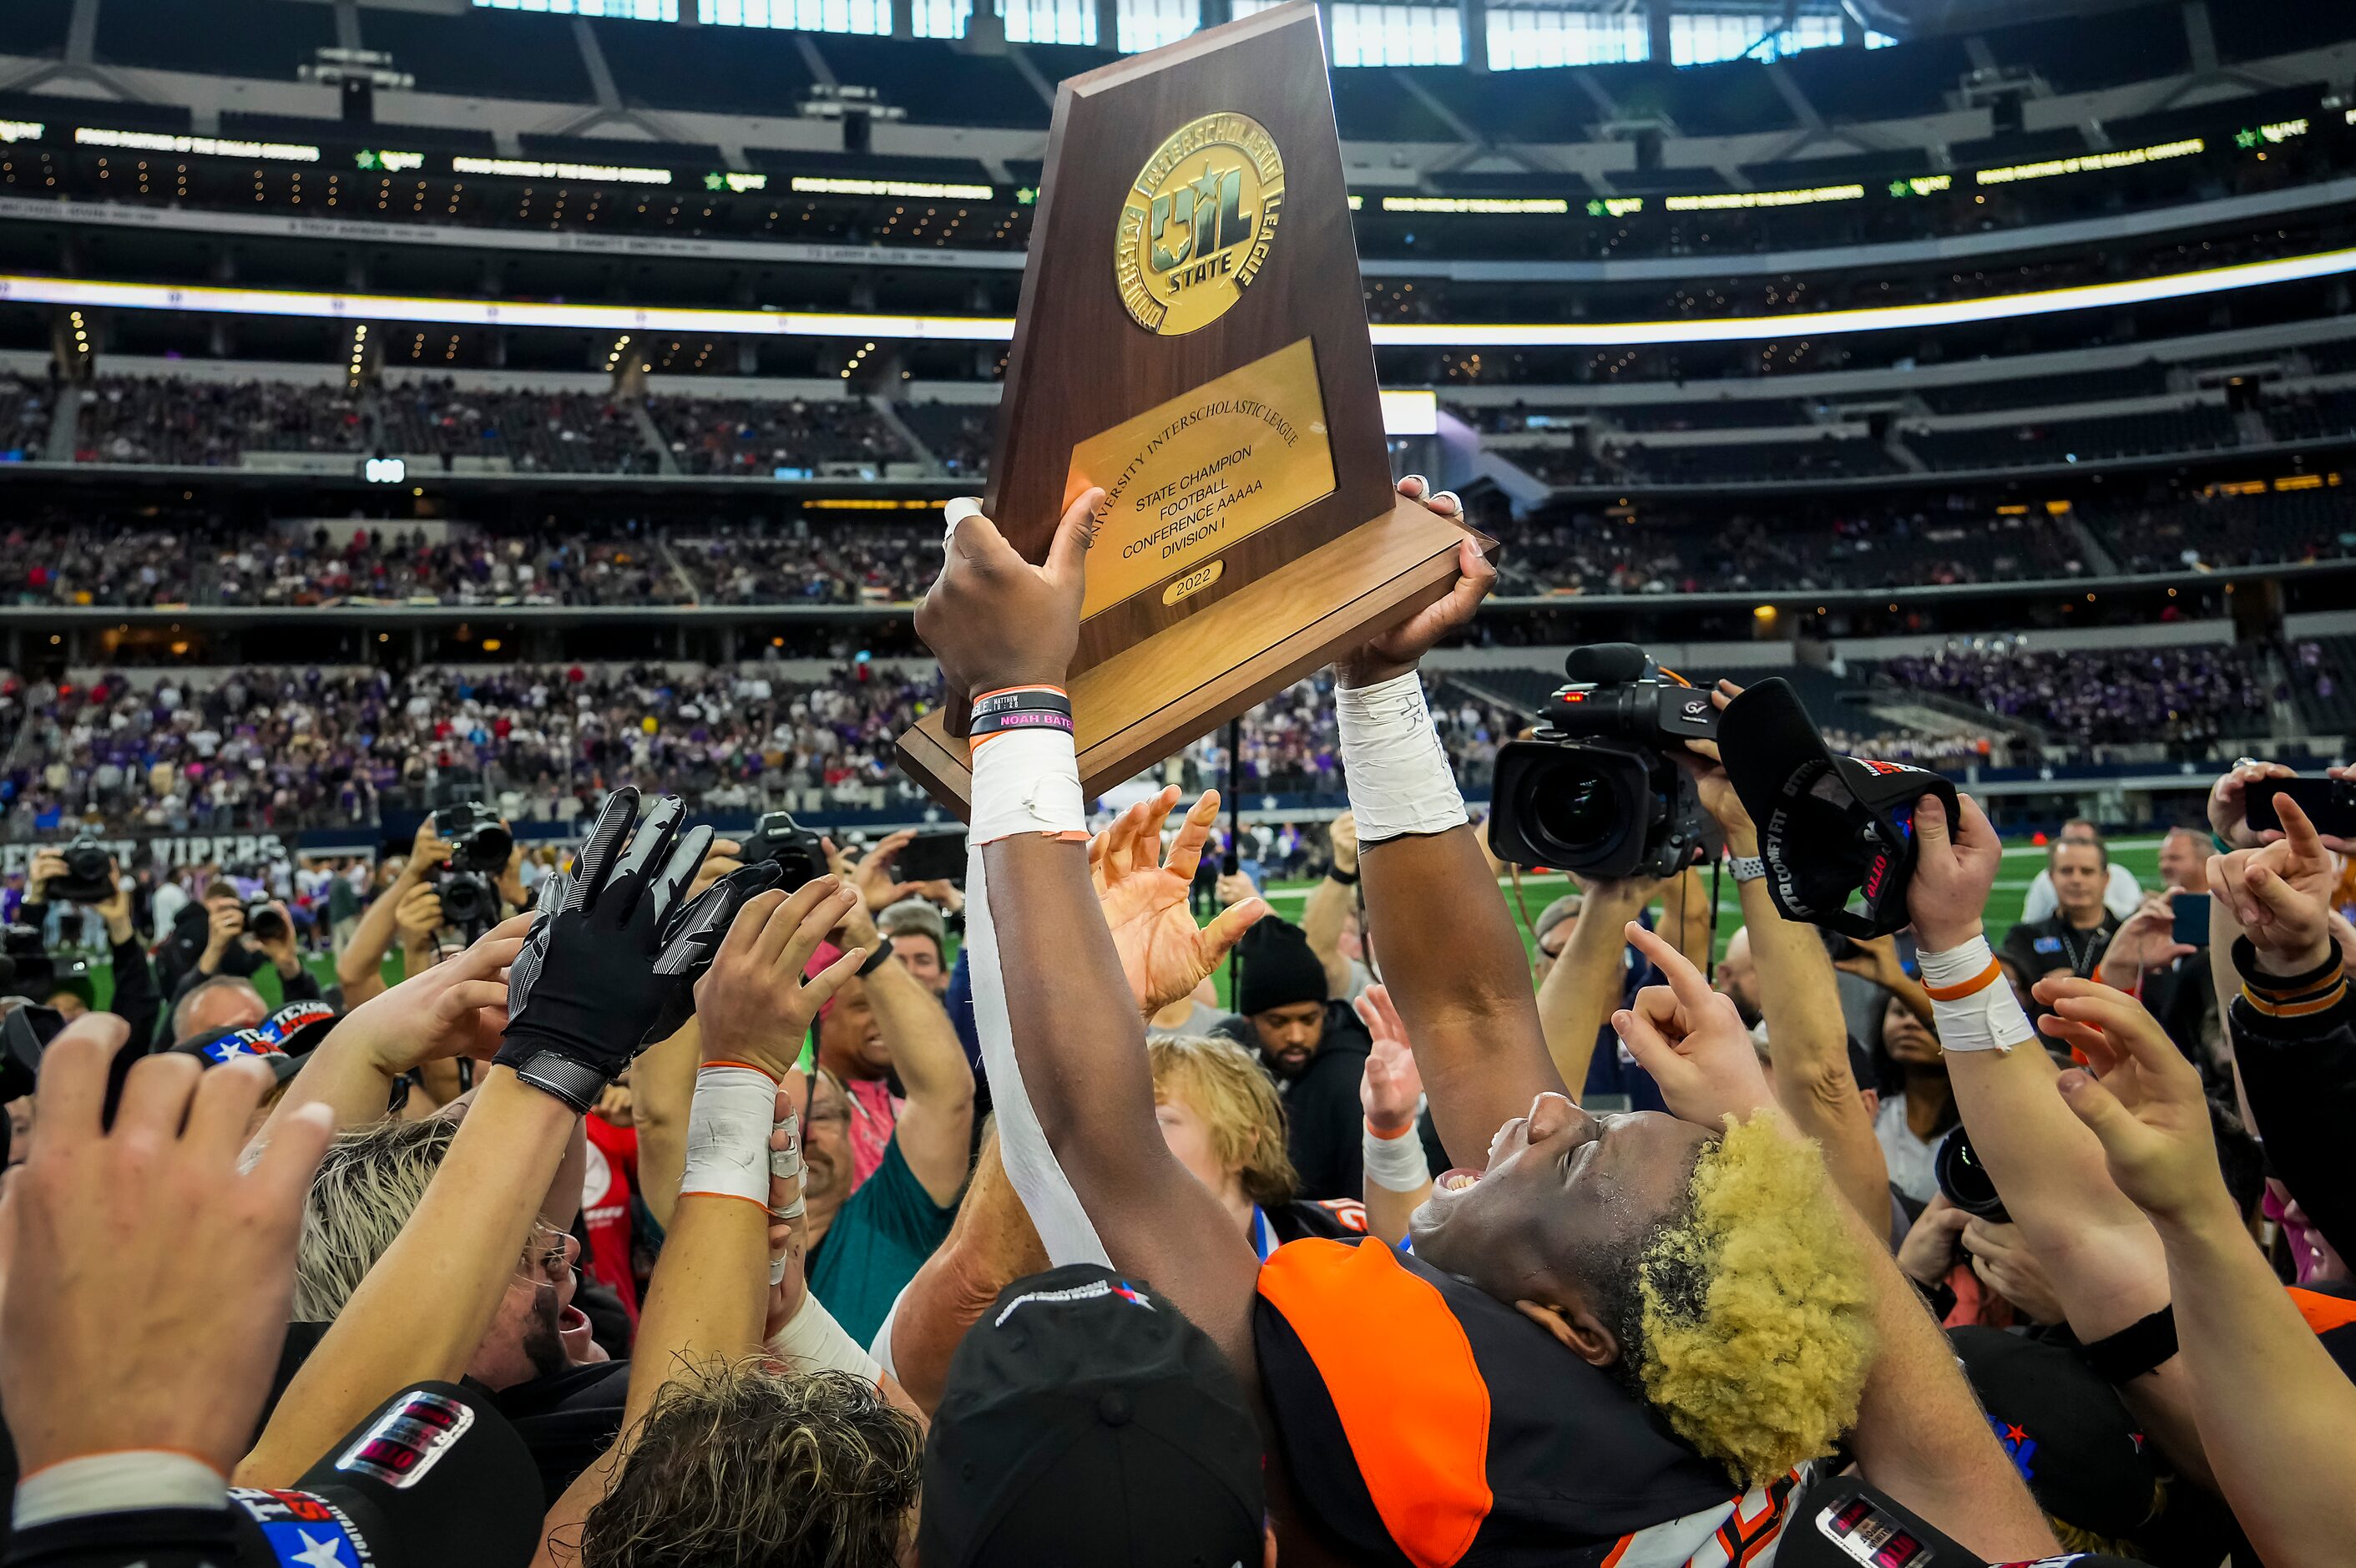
[
  {"x": 1394, "y": 1165},
  {"x": 1391, "y": 757},
  {"x": 1027, "y": 782},
  {"x": 814, "y": 1340},
  {"x": 117, "y": 1483},
  {"x": 728, "y": 1125},
  {"x": 1988, "y": 1017}
]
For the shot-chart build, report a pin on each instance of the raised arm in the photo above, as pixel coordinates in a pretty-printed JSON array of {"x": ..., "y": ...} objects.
[
  {"x": 1439, "y": 928},
  {"x": 991, "y": 1244},
  {"x": 1807, "y": 1038},
  {"x": 2294, "y": 1022},
  {"x": 2103, "y": 1256},
  {"x": 1583, "y": 989},
  {"x": 452, "y": 1010},
  {"x": 1326, "y": 911},
  {"x": 2274, "y": 1411},
  {"x": 360, "y": 968},
  {"x": 936, "y": 1127},
  {"x": 1062, "y": 1039},
  {"x": 1919, "y": 1434},
  {"x": 585, "y": 993},
  {"x": 662, "y": 1079},
  {"x": 1390, "y": 1091},
  {"x": 723, "y": 1279}
]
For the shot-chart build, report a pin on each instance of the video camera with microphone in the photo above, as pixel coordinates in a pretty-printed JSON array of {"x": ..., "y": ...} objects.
[{"x": 1593, "y": 791}]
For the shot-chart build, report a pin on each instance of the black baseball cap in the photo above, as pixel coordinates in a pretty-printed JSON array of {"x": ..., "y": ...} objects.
[
  {"x": 1836, "y": 832},
  {"x": 435, "y": 1475},
  {"x": 2082, "y": 1452},
  {"x": 1085, "y": 1420},
  {"x": 282, "y": 1040}
]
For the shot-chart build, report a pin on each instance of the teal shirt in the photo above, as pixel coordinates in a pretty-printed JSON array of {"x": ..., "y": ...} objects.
[{"x": 879, "y": 1240}]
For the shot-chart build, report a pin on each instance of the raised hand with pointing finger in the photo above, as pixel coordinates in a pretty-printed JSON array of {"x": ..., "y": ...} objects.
[
  {"x": 2281, "y": 895},
  {"x": 1691, "y": 1039}
]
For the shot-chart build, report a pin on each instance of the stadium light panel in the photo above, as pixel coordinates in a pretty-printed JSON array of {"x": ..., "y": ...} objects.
[
  {"x": 209, "y": 301},
  {"x": 1410, "y": 413}
]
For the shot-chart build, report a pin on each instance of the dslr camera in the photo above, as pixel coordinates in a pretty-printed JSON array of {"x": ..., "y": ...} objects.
[
  {"x": 264, "y": 923},
  {"x": 796, "y": 849},
  {"x": 90, "y": 872},
  {"x": 467, "y": 883},
  {"x": 1593, "y": 791},
  {"x": 1964, "y": 1180}
]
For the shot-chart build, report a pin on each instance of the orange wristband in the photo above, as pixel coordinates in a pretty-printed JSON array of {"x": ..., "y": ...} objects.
[{"x": 1961, "y": 989}]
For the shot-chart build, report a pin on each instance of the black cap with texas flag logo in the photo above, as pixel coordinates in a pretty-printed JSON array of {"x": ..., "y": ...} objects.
[{"x": 1836, "y": 832}]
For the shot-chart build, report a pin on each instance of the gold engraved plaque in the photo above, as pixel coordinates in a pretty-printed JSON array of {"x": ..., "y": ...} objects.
[
  {"x": 1197, "y": 223},
  {"x": 1184, "y": 481}
]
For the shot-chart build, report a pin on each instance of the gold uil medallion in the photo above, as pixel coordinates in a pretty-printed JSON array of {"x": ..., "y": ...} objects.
[{"x": 1198, "y": 222}]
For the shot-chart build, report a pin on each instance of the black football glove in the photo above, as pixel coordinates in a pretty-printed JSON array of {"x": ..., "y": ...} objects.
[
  {"x": 585, "y": 992},
  {"x": 694, "y": 935}
]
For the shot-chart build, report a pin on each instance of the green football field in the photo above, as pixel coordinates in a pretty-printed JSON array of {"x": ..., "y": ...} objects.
[{"x": 2021, "y": 865}]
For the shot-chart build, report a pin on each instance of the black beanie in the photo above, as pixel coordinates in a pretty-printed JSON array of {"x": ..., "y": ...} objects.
[{"x": 1277, "y": 968}]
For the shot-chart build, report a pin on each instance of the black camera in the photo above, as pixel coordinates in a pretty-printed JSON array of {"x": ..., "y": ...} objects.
[
  {"x": 90, "y": 872},
  {"x": 26, "y": 967},
  {"x": 796, "y": 849},
  {"x": 1593, "y": 791},
  {"x": 264, "y": 923},
  {"x": 1965, "y": 1181},
  {"x": 467, "y": 883}
]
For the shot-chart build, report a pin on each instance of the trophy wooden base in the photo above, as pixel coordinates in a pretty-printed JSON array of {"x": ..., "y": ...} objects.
[{"x": 1142, "y": 704}]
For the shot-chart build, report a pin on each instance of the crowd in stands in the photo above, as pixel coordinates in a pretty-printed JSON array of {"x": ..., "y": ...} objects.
[
  {"x": 1883, "y": 542},
  {"x": 2212, "y": 531},
  {"x": 757, "y": 438},
  {"x": 284, "y": 748},
  {"x": 1875, "y": 541},
  {"x": 281, "y": 748},
  {"x": 208, "y": 424},
  {"x": 881, "y": 561},
  {"x": 25, "y": 411},
  {"x": 532, "y": 432},
  {"x": 865, "y": 1220},
  {"x": 2188, "y": 697},
  {"x": 958, "y": 433},
  {"x": 276, "y": 570},
  {"x": 58, "y": 562}
]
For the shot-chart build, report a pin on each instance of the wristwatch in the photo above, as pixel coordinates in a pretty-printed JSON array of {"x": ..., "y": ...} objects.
[{"x": 1746, "y": 868}]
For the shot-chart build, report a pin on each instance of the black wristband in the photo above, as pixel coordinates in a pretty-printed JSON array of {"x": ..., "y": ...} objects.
[
  {"x": 1347, "y": 878},
  {"x": 875, "y": 960},
  {"x": 2139, "y": 1348},
  {"x": 2245, "y": 963}
]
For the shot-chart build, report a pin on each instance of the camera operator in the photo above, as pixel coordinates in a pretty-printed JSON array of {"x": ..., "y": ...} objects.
[
  {"x": 242, "y": 940},
  {"x": 136, "y": 999}
]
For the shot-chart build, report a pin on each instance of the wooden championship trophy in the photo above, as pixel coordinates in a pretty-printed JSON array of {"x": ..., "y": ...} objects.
[{"x": 1193, "y": 337}]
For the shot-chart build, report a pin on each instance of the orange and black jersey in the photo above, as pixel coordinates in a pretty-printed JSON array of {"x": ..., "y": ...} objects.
[{"x": 1428, "y": 1424}]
